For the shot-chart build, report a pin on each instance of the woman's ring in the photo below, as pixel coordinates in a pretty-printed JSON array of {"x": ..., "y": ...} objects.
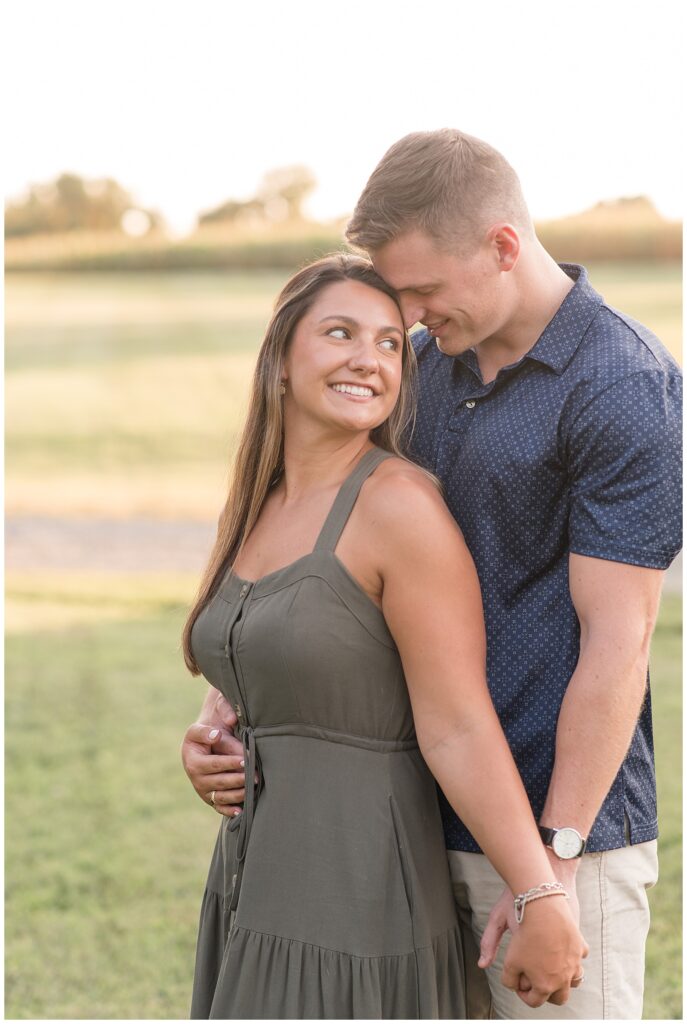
[{"x": 212, "y": 799}]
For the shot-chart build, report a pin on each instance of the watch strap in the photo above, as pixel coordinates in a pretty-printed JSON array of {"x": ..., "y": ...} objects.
[{"x": 547, "y": 834}]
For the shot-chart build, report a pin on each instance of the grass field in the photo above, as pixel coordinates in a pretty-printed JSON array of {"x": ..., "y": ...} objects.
[
  {"x": 664, "y": 949},
  {"x": 107, "y": 845},
  {"x": 106, "y": 842},
  {"x": 124, "y": 394}
]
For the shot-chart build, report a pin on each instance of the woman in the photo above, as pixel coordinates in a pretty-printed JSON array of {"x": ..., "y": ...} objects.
[{"x": 340, "y": 614}]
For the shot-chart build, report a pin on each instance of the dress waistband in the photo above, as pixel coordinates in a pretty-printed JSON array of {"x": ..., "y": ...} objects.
[
  {"x": 334, "y": 736},
  {"x": 252, "y": 767}
]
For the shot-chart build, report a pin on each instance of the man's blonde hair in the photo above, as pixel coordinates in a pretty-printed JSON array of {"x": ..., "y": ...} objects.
[{"x": 447, "y": 184}]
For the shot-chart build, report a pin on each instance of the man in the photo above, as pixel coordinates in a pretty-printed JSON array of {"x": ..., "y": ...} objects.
[{"x": 553, "y": 423}]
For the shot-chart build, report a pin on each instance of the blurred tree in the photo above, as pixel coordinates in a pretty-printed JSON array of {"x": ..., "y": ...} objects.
[
  {"x": 71, "y": 203},
  {"x": 280, "y": 196},
  {"x": 233, "y": 210},
  {"x": 285, "y": 189}
]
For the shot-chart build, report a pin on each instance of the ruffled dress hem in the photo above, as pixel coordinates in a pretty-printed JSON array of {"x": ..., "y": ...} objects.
[{"x": 274, "y": 977}]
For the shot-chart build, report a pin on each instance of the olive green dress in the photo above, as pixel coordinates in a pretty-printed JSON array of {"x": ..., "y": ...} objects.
[{"x": 329, "y": 896}]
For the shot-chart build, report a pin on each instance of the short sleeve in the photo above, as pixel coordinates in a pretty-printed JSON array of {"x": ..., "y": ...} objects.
[{"x": 625, "y": 460}]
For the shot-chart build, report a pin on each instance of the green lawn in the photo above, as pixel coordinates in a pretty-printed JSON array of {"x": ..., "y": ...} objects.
[
  {"x": 107, "y": 845},
  {"x": 125, "y": 392},
  {"x": 664, "y": 951}
]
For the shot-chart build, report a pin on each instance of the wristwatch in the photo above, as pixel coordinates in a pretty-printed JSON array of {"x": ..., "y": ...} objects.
[{"x": 566, "y": 843}]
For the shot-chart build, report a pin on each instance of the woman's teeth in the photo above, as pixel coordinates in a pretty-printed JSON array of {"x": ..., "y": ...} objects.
[{"x": 353, "y": 389}]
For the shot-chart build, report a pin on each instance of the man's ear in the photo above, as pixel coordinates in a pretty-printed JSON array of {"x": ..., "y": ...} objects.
[{"x": 506, "y": 242}]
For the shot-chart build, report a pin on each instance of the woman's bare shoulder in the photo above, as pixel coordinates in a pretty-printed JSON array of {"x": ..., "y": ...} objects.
[
  {"x": 407, "y": 527},
  {"x": 399, "y": 494}
]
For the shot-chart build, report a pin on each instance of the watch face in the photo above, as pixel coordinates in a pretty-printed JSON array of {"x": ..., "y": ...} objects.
[{"x": 567, "y": 843}]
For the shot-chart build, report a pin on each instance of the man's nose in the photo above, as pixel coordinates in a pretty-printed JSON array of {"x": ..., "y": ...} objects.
[{"x": 413, "y": 312}]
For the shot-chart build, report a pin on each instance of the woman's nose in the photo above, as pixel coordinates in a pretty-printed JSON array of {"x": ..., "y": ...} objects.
[{"x": 364, "y": 358}]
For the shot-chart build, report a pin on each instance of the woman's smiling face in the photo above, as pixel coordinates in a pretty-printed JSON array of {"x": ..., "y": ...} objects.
[{"x": 343, "y": 366}]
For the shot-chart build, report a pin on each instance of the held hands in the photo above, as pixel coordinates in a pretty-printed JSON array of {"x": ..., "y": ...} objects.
[
  {"x": 212, "y": 756},
  {"x": 546, "y": 952}
]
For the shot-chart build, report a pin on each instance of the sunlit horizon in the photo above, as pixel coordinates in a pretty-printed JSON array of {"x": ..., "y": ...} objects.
[
  {"x": 182, "y": 218},
  {"x": 187, "y": 107}
]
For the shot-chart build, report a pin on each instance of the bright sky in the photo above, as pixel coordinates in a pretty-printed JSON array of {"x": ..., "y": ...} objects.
[{"x": 188, "y": 102}]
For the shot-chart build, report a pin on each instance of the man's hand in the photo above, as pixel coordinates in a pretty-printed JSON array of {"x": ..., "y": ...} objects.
[
  {"x": 212, "y": 756},
  {"x": 212, "y": 760}
]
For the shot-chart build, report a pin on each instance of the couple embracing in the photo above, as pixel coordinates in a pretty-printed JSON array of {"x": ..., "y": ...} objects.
[{"x": 440, "y": 559}]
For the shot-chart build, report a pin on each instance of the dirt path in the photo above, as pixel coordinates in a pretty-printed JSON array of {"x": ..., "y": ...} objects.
[
  {"x": 126, "y": 545},
  {"x": 46, "y": 542}
]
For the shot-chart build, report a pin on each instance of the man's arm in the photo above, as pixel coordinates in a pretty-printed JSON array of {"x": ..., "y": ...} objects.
[
  {"x": 623, "y": 452},
  {"x": 617, "y": 605},
  {"x": 624, "y": 462},
  {"x": 212, "y": 756}
]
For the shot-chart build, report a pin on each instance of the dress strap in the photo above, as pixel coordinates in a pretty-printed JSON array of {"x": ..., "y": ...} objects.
[{"x": 346, "y": 499}]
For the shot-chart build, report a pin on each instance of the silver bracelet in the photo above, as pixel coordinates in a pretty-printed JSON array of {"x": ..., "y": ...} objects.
[{"x": 545, "y": 889}]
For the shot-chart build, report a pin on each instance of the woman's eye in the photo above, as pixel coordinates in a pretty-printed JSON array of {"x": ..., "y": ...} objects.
[
  {"x": 390, "y": 343},
  {"x": 338, "y": 332}
]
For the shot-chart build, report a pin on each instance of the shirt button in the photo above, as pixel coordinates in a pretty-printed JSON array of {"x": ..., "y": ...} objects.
[
  {"x": 470, "y": 405},
  {"x": 244, "y": 590}
]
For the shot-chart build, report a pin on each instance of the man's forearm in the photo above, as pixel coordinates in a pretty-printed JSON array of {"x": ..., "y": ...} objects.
[
  {"x": 616, "y": 605},
  {"x": 216, "y": 710},
  {"x": 595, "y": 727},
  {"x": 207, "y": 713}
]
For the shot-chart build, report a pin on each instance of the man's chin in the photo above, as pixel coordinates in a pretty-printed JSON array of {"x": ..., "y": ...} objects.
[{"x": 450, "y": 345}]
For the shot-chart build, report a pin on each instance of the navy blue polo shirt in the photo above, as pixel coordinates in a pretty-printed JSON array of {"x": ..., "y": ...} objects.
[{"x": 576, "y": 447}]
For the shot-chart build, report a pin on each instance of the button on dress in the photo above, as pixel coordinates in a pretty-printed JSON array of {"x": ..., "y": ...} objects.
[{"x": 329, "y": 895}]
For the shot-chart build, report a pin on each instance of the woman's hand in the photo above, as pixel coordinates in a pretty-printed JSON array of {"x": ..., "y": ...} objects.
[
  {"x": 501, "y": 920},
  {"x": 544, "y": 958},
  {"x": 502, "y": 916}
]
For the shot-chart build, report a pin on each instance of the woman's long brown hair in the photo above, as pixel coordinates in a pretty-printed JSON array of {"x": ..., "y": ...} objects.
[{"x": 260, "y": 456}]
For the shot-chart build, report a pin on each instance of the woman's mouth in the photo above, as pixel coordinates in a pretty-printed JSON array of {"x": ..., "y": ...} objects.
[{"x": 354, "y": 390}]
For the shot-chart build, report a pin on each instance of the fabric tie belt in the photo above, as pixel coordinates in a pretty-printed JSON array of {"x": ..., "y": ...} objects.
[{"x": 244, "y": 821}]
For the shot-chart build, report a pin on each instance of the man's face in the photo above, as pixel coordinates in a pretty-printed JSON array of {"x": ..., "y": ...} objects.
[{"x": 459, "y": 299}]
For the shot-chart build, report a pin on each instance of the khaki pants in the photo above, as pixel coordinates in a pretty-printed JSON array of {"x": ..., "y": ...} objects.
[{"x": 614, "y": 919}]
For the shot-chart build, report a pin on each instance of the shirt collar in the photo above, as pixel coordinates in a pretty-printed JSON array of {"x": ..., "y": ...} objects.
[{"x": 560, "y": 339}]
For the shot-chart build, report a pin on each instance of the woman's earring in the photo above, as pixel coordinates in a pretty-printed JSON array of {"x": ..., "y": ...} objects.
[{"x": 282, "y": 388}]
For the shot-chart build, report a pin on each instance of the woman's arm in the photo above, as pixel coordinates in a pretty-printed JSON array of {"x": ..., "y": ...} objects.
[{"x": 432, "y": 604}]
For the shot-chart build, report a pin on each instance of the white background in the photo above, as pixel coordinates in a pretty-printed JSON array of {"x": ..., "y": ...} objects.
[{"x": 189, "y": 103}]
